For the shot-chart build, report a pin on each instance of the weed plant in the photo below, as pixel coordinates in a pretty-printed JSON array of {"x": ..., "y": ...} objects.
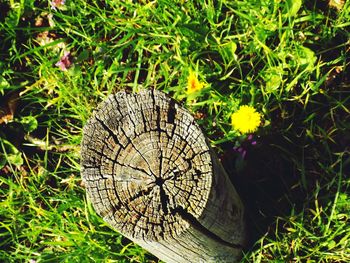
[{"x": 289, "y": 60}]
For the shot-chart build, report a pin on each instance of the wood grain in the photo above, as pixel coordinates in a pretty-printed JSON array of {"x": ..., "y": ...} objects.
[{"x": 151, "y": 174}]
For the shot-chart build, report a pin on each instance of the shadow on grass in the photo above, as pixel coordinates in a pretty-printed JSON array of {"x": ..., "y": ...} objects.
[
  {"x": 280, "y": 174},
  {"x": 267, "y": 183}
]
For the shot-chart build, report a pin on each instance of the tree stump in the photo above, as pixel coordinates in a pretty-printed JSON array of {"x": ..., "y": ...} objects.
[{"x": 150, "y": 173}]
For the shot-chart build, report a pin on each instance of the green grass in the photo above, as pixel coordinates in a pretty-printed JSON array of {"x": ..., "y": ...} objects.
[{"x": 288, "y": 59}]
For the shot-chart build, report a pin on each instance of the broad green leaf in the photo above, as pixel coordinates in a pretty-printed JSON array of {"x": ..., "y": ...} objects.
[
  {"x": 273, "y": 78},
  {"x": 307, "y": 58},
  {"x": 3, "y": 83},
  {"x": 10, "y": 154},
  {"x": 293, "y": 6},
  {"x": 273, "y": 83},
  {"x": 331, "y": 244},
  {"x": 227, "y": 51},
  {"x": 29, "y": 123},
  {"x": 15, "y": 159}
]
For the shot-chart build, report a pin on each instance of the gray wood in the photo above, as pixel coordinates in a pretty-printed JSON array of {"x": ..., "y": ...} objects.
[{"x": 151, "y": 174}]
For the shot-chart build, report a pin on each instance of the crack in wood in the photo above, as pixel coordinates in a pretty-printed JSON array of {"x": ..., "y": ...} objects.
[{"x": 198, "y": 226}]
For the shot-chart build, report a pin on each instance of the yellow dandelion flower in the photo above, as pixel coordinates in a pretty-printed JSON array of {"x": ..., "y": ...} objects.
[
  {"x": 246, "y": 119},
  {"x": 193, "y": 84}
]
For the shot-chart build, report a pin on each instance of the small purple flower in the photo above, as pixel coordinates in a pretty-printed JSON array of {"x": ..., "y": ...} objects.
[
  {"x": 64, "y": 63},
  {"x": 242, "y": 149},
  {"x": 250, "y": 138},
  {"x": 242, "y": 152},
  {"x": 57, "y": 4}
]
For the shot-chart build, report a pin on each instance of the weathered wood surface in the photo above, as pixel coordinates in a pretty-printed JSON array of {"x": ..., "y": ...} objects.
[{"x": 152, "y": 176}]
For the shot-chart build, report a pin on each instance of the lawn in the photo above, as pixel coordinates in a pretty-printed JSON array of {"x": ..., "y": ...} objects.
[{"x": 287, "y": 60}]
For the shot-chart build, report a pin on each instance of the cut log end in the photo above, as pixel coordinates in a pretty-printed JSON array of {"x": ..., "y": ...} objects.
[
  {"x": 144, "y": 159},
  {"x": 151, "y": 175}
]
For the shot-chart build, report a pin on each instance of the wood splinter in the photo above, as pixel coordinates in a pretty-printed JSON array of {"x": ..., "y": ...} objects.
[{"x": 151, "y": 174}]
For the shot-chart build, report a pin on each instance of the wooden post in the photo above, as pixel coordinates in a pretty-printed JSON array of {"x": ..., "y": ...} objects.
[{"x": 151, "y": 174}]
